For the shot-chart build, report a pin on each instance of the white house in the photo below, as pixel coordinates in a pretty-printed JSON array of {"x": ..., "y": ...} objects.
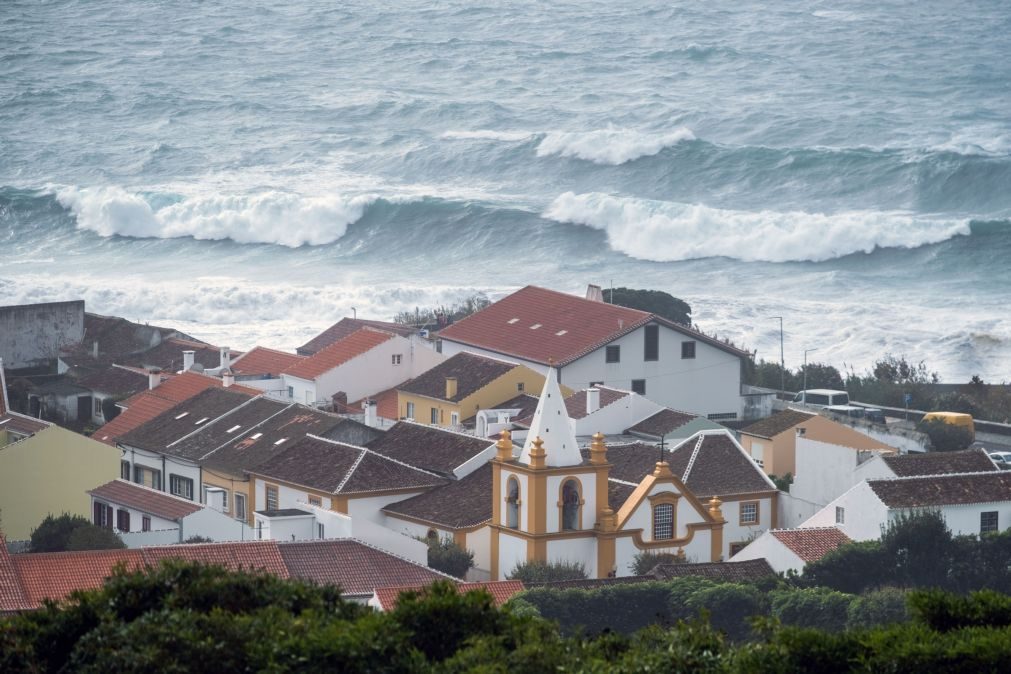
[
  {"x": 144, "y": 516},
  {"x": 361, "y": 364},
  {"x": 971, "y": 503},
  {"x": 589, "y": 342},
  {"x": 792, "y": 549}
]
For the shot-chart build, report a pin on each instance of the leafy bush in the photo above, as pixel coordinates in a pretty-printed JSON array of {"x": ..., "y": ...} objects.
[
  {"x": 53, "y": 533},
  {"x": 730, "y": 606},
  {"x": 653, "y": 301},
  {"x": 446, "y": 556},
  {"x": 881, "y": 607},
  {"x": 646, "y": 561},
  {"x": 946, "y": 612},
  {"x": 852, "y": 567},
  {"x": 945, "y": 437},
  {"x": 536, "y": 571},
  {"x": 91, "y": 537},
  {"x": 198, "y": 539},
  {"x": 820, "y": 608}
]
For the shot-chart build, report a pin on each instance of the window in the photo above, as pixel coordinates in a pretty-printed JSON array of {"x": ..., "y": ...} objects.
[
  {"x": 271, "y": 497},
  {"x": 722, "y": 416},
  {"x": 513, "y": 503},
  {"x": 737, "y": 547},
  {"x": 651, "y": 337},
  {"x": 181, "y": 486},
  {"x": 124, "y": 470},
  {"x": 320, "y": 531},
  {"x": 259, "y": 530},
  {"x": 315, "y": 501},
  {"x": 291, "y": 392},
  {"x": 123, "y": 520},
  {"x": 749, "y": 513},
  {"x": 145, "y": 523},
  {"x": 410, "y": 411},
  {"x": 663, "y": 521},
  {"x": 687, "y": 350},
  {"x": 520, "y": 387},
  {"x": 224, "y": 500},
  {"x": 240, "y": 506},
  {"x": 758, "y": 452},
  {"x": 454, "y": 419},
  {"x": 988, "y": 522},
  {"x": 612, "y": 354},
  {"x": 840, "y": 515},
  {"x": 639, "y": 386},
  {"x": 102, "y": 515},
  {"x": 595, "y": 384},
  {"x": 571, "y": 503},
  {"x": 435, "y": 415},
  {"x": 397, "y": 358},
  {"x": 147, "y": 477},
  {"x": 98, "y": 406}
]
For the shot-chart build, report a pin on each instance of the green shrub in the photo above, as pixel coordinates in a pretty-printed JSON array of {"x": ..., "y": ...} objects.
[
  {"x": 537, "y": 571},
  {"x": 53, "y": 533},
  {"x": 944, "y": 612},
  {"x": 91, "y": 537},
  {"x": 945, "y": 437},
  {"x": 852, "y": 567},
  {"x": 730, "y": 606},
  {"x": 446, "y": 556},
  {"x": 880, "y": 607},
  {"x": 820, "y": 608},
  {"x": 646, "y": 561}
]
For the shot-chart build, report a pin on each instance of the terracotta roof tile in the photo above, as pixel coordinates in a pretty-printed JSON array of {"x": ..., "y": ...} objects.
[
  {"x": 263, "y": 361},
  {"x": 19, "y": 423},
  {"x": 538, "y": 324},
  {"x": 338, "y": 353},
  {"x": 247, "y": 555},
  {"x": 941, "y": 490},
  {"x": 811, "y": 544},
  {"x": 145, "y": 499},
  {"x": 461, "y": 504},
  {"x": 187, "y": 417},
  {"x": 501, "y": 591},
  {"x": 777, "y": 423},
  {"x": 358, "y": 569},
  {"x": 726, "y": 572},
  {"x": 663, "y": 422},
  {"x": 345, "y": 327},
  {"x": 428, "y": 447},
  {"x": 54, "y": 575},
  {"x": 12, "y": 595},
  {"x": 940, "y": 463},
  {"x": 472, "y": 373}
]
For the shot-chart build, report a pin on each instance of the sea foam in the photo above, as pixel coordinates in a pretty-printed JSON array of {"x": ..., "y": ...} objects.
[
  {"x": 611, "y": 145},
  {"x": 664, "y": 231},
  {"x": 268, "y": 217}
]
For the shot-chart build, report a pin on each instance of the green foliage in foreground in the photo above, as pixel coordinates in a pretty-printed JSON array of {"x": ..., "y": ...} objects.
[{"x": 182, "y": 617}]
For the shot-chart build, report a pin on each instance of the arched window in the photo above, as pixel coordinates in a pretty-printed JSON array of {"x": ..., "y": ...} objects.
[
  {"x": 513, "y": 503},
  {"x": 571, "y": 502},
  {"x": 663, "y": 521}
]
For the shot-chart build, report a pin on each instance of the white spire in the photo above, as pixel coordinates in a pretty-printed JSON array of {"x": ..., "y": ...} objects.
[{"x": 552, "y": 425}]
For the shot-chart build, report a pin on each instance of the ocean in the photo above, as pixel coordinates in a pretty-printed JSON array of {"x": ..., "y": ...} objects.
[{"x": 250, "y": 172}]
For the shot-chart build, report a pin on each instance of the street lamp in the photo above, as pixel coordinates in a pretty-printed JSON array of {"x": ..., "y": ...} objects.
[
  {"x": 782, "y": 359},
  {"x": 806, "y": 351}
]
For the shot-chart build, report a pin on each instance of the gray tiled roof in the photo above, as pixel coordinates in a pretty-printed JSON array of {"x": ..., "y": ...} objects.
[
  {"x": 460, "y": 504},
  {"x": 428, "y": 447},
  {"x": 472, "y": 373},
  {"x": 940, "y": 463},
  {"x": 777, "y": 423},
  {"x": 941, "y": 490}
]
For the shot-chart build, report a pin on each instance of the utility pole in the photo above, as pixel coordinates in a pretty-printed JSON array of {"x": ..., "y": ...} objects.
[
  {"x": 782, "y": 359},
  {"x": 806, "y": 351}
]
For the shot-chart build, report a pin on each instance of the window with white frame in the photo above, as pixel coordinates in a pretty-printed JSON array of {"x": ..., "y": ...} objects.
[
  {"x": 98, "y": 406},
  {"x": 147, "y": 476},
  {"x": 663, "y": 521},
  {"x": 240, "y": 506},
  {"x": 397, "y": 357},
  {"x": 270, "y": 497},
  {"x": 454, "y": 418},
  {"x": 124, "y": 470},
  {"x": 840, "y": 515},
  {"x": 410, "y": 411},
  {"x": 749, "y": 513},
  {"x": 181, "y": 486},
  {"x": 988, "y": 522}
]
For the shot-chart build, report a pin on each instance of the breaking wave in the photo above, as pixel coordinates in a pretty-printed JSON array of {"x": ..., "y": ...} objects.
[
  {"x": 269, "y": 217},
  {"x": 666, "y": 231},
  {"x": 611, "y": 145}
]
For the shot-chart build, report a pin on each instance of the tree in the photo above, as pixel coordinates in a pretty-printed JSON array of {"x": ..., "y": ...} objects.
[
  {"x": 446, "y": 556},
  {"x": 53, "y": 533},
  {"x": 91, "y": 537},
  {"x": 820, "y": 375},
  {"x": 852, "y": 567},
  {"x": 537, "y": 571},
  {"x": 945, "y": 437},
  {"x": 646, "y": 561},
  {"x": 782, "y": 483},
  {"x": 198, "y": 539},
  {"x": 920, "y": 547},
  {"x": 652, "y": 301}
]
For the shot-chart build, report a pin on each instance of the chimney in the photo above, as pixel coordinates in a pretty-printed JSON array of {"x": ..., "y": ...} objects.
[
  {"x": 226, "y": 358},
  {"x": 369, "y": 407},
  {"x": 594, "y": 293},
  {"x": 153, "y": 378},
  {"x": 94, "y": 350},
  {"x": 592, "y": 400},
  {"x": 227, "y": 378},
  {"x": 188, "y": 357},
  {"x": 450, "y": 388}
]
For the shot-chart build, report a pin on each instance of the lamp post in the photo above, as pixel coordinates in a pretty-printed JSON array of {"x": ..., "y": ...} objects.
[
  {"x": 782, "y": 359},
  {"x": 806, "y": 351}
]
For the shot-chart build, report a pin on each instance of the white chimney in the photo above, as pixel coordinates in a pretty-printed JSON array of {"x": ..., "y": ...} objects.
[
  {"x": 188, "y": 358},
  {"x": 226, "y": 358},
  {"x": 594, "y": 293},
  {"x": 153, "y": 378},
  {"x": 369, "y": 406},
  {"x": 227, "y": 378},
  {"x": 592, "y": 400}
]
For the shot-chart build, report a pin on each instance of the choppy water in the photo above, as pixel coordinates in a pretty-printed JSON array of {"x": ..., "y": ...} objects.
[{"x": 251, "y": 171}]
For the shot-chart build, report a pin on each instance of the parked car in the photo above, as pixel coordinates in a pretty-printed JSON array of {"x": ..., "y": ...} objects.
[
  {"x": 847, "y": 410},
  {"x": 1002, "y": 459},
  {"x": 822, "y": 397},
  {"x": 874, "y": 414}
]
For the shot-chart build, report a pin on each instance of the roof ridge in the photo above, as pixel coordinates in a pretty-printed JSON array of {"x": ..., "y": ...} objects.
[
  {"x": 152, "y": 490},
  {"x": 284, "y": 408},
  {"x": 435, "y": 427},
  {"x": 212, "y": 421},
  {"x": 825, "y": 528},
  {"x": 393, "y": 554},
  {"x": 973, "y": 473}
]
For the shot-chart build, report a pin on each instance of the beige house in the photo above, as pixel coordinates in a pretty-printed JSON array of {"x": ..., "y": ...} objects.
[
  {"x": 772, "y": 442},
  {"x": 45, "y": 469}
]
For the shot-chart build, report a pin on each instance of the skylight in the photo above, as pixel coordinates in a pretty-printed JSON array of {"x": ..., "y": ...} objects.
[
  {"x": 561, "y": 332},
  {"x": 197, "y": 423},
  {"x": 512, "y": 320},
  {"x": 256, "y": 436},
  {"x": 280, "y": 441},
  {"x": 181, "y": 416},
  {"x": 234, "y": 428},
  {"x": 535, "y": 326}
]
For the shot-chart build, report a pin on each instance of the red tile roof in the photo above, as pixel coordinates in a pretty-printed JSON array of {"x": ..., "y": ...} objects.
[
  {"x": 357, "y": 568},
  {"x": 811, "y": 544},
  {"x": 387, "y": 404},
  {"x": 12, "y": 595},
  {"x": 501, "y": 591},
  {"x": 345, "y": 327},
  {"x": 145, "y": 499},
  {"x": 248, "y": 555},
  {"x": 263, "y": 361},
  {"x": 54, "y": 575},
  {"x": 539, "y": 325},
  {"x": 338, "y": 353},
  {"x": 147, "y": 405}
]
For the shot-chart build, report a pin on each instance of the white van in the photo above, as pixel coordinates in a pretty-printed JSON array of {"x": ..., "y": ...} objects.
[{"x": 822, "y": 397}]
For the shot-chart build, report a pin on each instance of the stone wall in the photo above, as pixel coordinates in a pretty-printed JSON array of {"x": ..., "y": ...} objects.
[{"x": 31, "y": 335}]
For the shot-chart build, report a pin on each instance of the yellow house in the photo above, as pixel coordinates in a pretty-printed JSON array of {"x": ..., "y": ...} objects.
[
  {"x": 45, "y": 469},
  {"x": 454, "y": 391},
  {"x": 772, "y": 442}
]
